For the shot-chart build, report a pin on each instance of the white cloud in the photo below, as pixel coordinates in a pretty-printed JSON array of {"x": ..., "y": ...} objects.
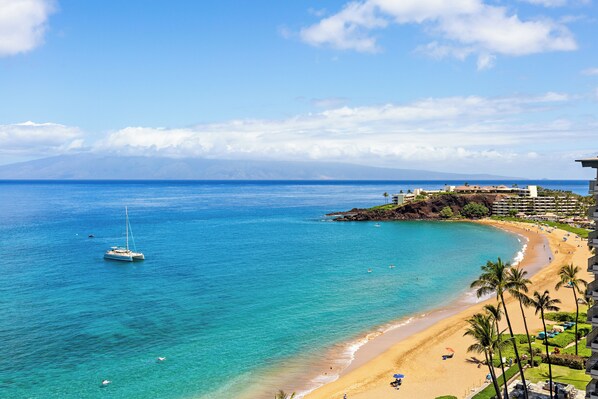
[
  {"x": 38, "y": 139},
  {"x": 462, "y": 26},
  {"x": 23, "y": 24},
  {"x": 590, "y": 71},
  {"x": 486, "y": 61},
  {"x": 450, "y": 133},
  {"x": 346, "y": 30},
  {"x": 430, "y": 129},
  {"x": 547, "y": 3}
]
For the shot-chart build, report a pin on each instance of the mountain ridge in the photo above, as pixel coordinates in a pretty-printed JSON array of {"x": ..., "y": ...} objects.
[{"x": 110, "y": 167}]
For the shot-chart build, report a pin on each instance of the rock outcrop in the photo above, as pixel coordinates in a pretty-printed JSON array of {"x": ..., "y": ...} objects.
[{"x": 427, "y": 209}]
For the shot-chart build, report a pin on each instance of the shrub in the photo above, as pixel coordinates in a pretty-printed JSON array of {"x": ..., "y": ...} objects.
[
  {"x": 562, "y": 340},
  {"x": 523, "y": 339},
  {"x": 564, "y": 316},
  {"x": 473, "y": 210},
  {"x": 446, "y": 212},
  {"x": 583, "y": 331},
  {"x": 571, "y": 361},
  {"x": 446, "y": 397}
]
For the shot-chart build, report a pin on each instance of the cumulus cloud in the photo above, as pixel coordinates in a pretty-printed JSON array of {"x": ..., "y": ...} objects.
[
  {"x": 590, "y": 72},
  {"x": 461, "y": 26},
  {"x": 429, "y": 129},
  {"x": 450, "y": 133},
  {"x": 39, "y": 139},
  {"x": 23, "y": 24}
]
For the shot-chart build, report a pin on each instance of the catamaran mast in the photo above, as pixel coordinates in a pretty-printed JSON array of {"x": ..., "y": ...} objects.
[{"x": 127, "y": 225}]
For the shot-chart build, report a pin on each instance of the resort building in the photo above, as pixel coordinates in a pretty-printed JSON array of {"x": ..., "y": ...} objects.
[
  {"x": 592, "y": 338},
  {"x": 528, "y": 205}
]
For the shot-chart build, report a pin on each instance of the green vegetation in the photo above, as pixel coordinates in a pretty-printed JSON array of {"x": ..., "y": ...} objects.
[
  {"x": 577, "y": 378},
  {"x": 446, "y": 397},
  {"x": 474, "y": 210},
  {"x": 446, "y": 212},
  {"x": 582, "y": 351},
  {"x": 562, "y": 317},
  {"x": 562, "y": 340},
  {"x": 385, "y": 207},
  {"x": 568, "y": 275},
  {"x": 583, "y": 233},
  {"x": 488, "y": 392}
]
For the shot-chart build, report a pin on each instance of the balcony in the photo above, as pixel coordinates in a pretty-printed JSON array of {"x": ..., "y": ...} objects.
[
  {"x": 592, "y": 389},
  {"x": 593, "y": 187},
  {"x": 593, "y": 212},
  {"x": 593, "y": 239},
  {"x": 593, "y": 264},
  {"x": 592, "y": 370},
  {"x": 593, "y": 316}
]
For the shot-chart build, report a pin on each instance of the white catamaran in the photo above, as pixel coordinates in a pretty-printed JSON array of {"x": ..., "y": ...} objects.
[{"x": 125, "y": 254}]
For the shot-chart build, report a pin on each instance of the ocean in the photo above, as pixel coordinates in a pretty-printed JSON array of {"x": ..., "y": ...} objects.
[{"x": 246, "y": 288}]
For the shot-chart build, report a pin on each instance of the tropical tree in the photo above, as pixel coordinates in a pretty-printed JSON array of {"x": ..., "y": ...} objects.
[
  {"x": 446, "y": 212},
  {"x": 283, "y": 395},
  {"x": 496, "y": 313},
  {"x": 494, "y": 280},
  {"x": 385, "y": 197},
  {"x": 568, "y": 275},
  {"x": 544, "y": 303},
  {"x": 481, "y": 329},
  {"x": 518, "y": 283}
]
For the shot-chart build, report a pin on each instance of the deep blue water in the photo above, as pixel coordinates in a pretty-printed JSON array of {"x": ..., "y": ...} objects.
[{"x": 239, "y": 278}]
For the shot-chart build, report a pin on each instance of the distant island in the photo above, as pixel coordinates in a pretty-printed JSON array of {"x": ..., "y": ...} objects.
[{"x": 90, "y": 166}]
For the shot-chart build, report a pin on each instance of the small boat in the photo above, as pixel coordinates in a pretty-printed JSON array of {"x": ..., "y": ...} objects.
[
  {"x": 391, "y": 266},
  {"x": 369, "y": 270},
  {"x": 124, "y": 254},
  {"x": 377, "y": 225},
  {"x": 90, "y": 236},
  {"x": 105, "y": 383}
]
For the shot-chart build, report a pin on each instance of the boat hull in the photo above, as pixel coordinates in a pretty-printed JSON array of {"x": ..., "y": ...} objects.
[{"x": 124, "y": 256}]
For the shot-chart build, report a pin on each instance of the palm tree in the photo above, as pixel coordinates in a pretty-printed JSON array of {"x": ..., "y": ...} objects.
[
  {"x": 385, "y": 197},
  {"x": 568, "y": 275},
  {"x": 496, "y": 313},
  {"x": 518, "y": 289},
  {"x": 282, "y": 395},
  {"x": 494, "y": 279},
  {"x": 481, "y": 329},
  {"x": 544, "y": 303}
]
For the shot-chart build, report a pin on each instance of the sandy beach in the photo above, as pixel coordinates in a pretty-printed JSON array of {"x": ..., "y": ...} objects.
[{"x": 417, "y": 352}]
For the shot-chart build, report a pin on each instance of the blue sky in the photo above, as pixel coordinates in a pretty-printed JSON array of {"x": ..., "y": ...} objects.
[{"x": 504, "y": 87}]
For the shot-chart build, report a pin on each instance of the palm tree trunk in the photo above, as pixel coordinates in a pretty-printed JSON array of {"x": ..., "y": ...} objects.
[
  {"x": 547, "y": 355},
  {"x": 492, "y": 374},
  {"x": 576, "y": 317},
  {"x": 502, "y": 366},
  {"x": 517, "y": 358},
  {"x": 529, "y": 342}
]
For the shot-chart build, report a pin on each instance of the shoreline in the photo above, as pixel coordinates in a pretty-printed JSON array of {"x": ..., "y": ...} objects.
[{"x": 378, "y": 350}]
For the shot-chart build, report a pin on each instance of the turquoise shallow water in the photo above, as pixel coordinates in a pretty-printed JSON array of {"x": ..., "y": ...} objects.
[{"x": 239, "y": 279}]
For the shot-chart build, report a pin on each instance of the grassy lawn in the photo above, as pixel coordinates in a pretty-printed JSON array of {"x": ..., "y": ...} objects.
[
  {"x": 578, "y": 378},
  {"x": 583, "y": 233},
  {"x": 575, "y": 230},
  {"x": 489, "y": 392},
  {"x": 384, "y": 207}
]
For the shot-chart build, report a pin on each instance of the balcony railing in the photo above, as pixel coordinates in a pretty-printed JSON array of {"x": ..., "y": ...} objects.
[
  {"x": 592, "y": 366},
  {"x": 593, "y": 264}
]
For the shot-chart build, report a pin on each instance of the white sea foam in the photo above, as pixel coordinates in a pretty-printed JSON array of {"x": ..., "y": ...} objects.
[{"x": 348, "y": 352}]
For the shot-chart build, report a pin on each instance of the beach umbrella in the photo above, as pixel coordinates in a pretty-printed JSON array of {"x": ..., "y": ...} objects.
[{"x": 399, "y": 376}]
